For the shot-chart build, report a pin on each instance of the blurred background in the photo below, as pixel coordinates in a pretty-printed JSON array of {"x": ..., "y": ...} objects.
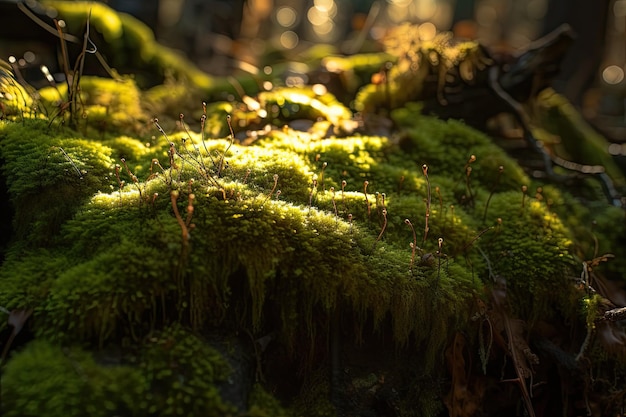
[
  {"x": 218, "y": 35},
  {"x": 213, "y": 32}
]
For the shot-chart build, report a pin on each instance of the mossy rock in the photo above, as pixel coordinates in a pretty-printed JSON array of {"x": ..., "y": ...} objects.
[{"x": 147, "y": 244}]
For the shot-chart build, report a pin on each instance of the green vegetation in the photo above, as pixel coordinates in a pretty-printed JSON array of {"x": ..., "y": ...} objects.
[
  {"x": 133, "y": 244},
  {"x": 173, "y": 374}
]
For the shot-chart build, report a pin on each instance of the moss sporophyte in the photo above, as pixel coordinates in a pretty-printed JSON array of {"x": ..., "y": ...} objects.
[{"x": 135, "y": 251}]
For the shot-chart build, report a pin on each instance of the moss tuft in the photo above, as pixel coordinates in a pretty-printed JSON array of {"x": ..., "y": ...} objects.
[
  {"x": 49, "y": 176},
  {"x": 262, "y": 404},
  {"x": 175, "y": 373},
  {"x": 106, "y": 105},
  {"x": 45, "y": 379}
]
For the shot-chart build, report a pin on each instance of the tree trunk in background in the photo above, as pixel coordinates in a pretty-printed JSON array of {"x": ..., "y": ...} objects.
[
  {"x": 463, "y": 10},
  {"x": 580, "y": 67},
  {"x": 463, "y": 19}
]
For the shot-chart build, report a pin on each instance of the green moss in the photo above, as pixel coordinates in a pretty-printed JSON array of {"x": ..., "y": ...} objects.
[
  {"x": 96, "y": 312},
  {"x": 128, "y": 148},
  {"x": 27, "y": 277},
  {"x": 578, "y": 141},
  {"x": 128, "y": 44},
  {"x": 175, "y": 373},
  {"x": 15, "y": 100},
  {"x": 45, "y": 379},
  {"x": 262, "y": 404},
  {"x": 111, "y": 105},
  {"x": 300, "y": 244},
  {"x": 190, "y": 231},
  {"x": 597, "y": 229},
  {"x": 48, "y": 175},
  {"x": 415, "y": 60},
  {"x": 303, "y": 103},
  {"x": 181, "y": 372},
  {"x": 312, "y": 254},
  {"x": 531, "y": 250},
  {"x": 446, "y": 146}
]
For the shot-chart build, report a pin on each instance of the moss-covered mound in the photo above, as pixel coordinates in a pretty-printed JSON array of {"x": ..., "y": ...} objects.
[{"x": 421, "y": 268}]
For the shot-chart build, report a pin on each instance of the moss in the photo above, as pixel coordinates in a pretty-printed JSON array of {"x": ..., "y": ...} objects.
[
  {"x": 128, "y": 44},
  {"x": 45, "y": 379},
  {"x": 415, "y": 60},
  {"x": 578, "y": 141},
  {"x": 294, "y": 248},
  {"x": 96, "y": 312},
  {"x": 531, "y": 249},
  {"x": 446, "y": 146},
  {"x": 175, "y": 97},
  {"x": 48, "y": 175},
  {"x": 297, "y": 243},
  {"x": 27, "y": 277},
  {"x": 262, "y": 404},
  {"x": 189, "y": 234},
  {"x": 182, "y": 372},
  {"x": 15, "y": 100},
  {"x": 175, "y": 373},
  {"x": 305, "y": 103},
  {"x": 127, "y": 147},
  {"x": 111, "y": 105},
  {"x": 314, "y": 400}
]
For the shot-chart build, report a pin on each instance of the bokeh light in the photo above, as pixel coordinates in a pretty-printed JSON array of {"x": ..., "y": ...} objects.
[
  {"x": 29, "y": 56},
  {"x": 617, "y": 149},
  {"x": 322, "y": 16},
  {"x": 427, "y": 31},
  {"x": 319, "y": 89},
  {"x": 289, "y": 39},
  {"x": 613, "y": 75},
  {"x": 425, "y": 9},
  {"x": 326, "y": 6},
  {"x": 286, "y": 16}
]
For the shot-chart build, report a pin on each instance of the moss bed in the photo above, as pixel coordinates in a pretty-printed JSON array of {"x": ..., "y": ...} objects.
[{"x": 348, "y": 267}]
